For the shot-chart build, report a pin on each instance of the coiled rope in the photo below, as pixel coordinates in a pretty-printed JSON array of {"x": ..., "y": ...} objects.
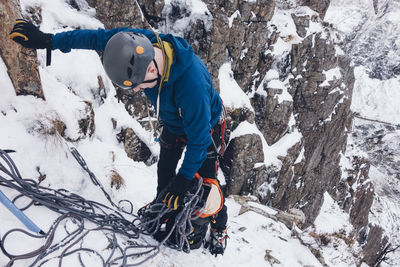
[{"x": 115, "y": 221}]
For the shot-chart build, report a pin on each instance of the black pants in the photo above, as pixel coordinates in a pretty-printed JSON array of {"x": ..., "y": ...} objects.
[{"x": 171, "y": 151}]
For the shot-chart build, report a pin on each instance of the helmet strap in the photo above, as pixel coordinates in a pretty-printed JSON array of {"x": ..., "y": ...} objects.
[{"x": 159, "y": 79}]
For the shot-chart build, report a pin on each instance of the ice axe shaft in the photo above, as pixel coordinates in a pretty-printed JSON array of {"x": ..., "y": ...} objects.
[{"x": 19, "y": 214}]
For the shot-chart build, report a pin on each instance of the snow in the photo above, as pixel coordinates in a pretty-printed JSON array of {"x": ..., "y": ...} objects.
[
  {"x": 7, "y": 90},
  {"x": 332, "y": 213},
  {"x": 287, "y": 29},
  {"x": 376, "y": 99},
  {"x": 281, "y": 147},
  {"x": 285, "y": 25},
  {"x": 385, "y": 209},
  {"x": 301, "y": 156},
  {"x": 333, "y": 226},
  {"x": 231, "y": 93},
  {"x": 194, "y": 10},
  {"x": 197, "y": 6},
  {"x": 372, "y": 28},
  {"x": 346, "y": 16},
  {"x": 271, "y": 74},
  {"x": 284, "y": 96},
  {"x": 244, "y": 128},
  {"x": 233, "y": 16},
  {"x": 69, "y": 84},
  {"x": 271, "y": 152},
  {"x": 83, "y": 79},
  {"x": 72, "y": 80},
  {"x": 53, "y": 19},
  {"x": 314, "y": 28},
  {"x": 285, "y": 249},
  {"x": 331, "y": 75}
]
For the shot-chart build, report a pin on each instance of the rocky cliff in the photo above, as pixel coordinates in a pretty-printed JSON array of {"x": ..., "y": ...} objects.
[
  {"x": 21, "y": 63},
  {"x": 299, "y": 82}
]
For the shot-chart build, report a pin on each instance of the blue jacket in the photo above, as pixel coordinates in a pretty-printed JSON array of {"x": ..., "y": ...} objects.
[{"x": 189, "y": 104}]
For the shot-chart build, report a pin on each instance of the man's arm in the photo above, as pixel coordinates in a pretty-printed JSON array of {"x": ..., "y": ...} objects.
[
  {"x": 87, "y": 39},
  {"x": 28, "y": 35},
  {"x": 194, "y": 101}
]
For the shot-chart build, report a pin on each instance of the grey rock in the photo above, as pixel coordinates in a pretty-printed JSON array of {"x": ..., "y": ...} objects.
[
  {"x": 236, "y": 116},
  {"x": 22, "y": 64},
  {"x": 119, "y": 13},
  {"x": 322, "y": 116},
  {"x": 272, "y": 117},
  {"x": 319, "y": 6},
  {"x": 239, "y": 165},
  {"x": 86, "y": 124},
  {"x": 301, "y": 22},
  {"x": 134, "y": 147},
  {"x": 374, "y": 243},
  {"x": 152, "y": 10}
]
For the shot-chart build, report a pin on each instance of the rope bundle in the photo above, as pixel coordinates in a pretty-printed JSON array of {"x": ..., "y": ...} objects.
[{"x": 112, "y": 220}]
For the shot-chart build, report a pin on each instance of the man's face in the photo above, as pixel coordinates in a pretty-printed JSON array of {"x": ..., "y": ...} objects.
[{"x": 151, "y": 74}]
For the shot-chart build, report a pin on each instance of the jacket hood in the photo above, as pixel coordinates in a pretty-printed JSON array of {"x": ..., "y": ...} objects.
[{"x": 183, "y": 55}]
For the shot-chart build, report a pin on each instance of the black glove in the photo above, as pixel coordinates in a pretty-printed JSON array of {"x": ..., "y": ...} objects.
[
  {"x": 176, "y": 191},
  {"x": 28, "y": 35}
]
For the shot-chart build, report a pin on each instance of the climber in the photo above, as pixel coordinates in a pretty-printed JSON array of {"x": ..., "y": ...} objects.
[{"x": 178, "y": 85}]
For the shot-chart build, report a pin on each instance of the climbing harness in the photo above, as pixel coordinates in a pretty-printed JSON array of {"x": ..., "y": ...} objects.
[{"x": 222, "y": 123}]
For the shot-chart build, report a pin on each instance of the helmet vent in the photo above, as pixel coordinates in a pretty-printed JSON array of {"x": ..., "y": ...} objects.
[
  {"x": 129, "y": 72},
  {"x": 132, "y": 61},
  {"x": 132, "y": 35}
]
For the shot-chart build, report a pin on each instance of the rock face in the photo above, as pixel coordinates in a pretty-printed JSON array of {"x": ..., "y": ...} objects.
[
  {"x": 134, "y": 148},
  {"x": 319, "y": 6},
  {"x": 136, "y": 14},
  {"x": 306, "y": 90},
  {"x": 22, "y": 64},
  {"x": 240, "y": 31},
  {"x": 86, "y": 124},
  {"x": 272, "y": 117},
  {"x": 374, "y": 243},
  {"x": 137, "y": 106},
  {"x": 322, "y": 112},
  {"x": 355, "y": 194},
  {"x": 380, "y": 58},
  {"x": 120, "y": 13},
  {"x": 245, "y": 38},
  {"x": 377, "y": 140},
  {"x": 243, "y": 175}
]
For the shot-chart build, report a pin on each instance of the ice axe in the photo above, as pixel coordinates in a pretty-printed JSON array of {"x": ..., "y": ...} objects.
[{"x": 19, "y": 214}]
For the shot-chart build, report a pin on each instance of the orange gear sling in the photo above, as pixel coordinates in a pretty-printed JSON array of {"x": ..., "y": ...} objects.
[{"x": 215, "y": 199}]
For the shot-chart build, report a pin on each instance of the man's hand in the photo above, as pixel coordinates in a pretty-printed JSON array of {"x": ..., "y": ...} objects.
[
  {"x": 28, "y": 35},
  {"x": 176, "y": 191}
]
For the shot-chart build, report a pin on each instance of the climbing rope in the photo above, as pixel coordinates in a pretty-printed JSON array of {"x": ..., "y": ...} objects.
[
  {"x": 114, "y": 221},
  {"x": 358, "y": 116}
]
